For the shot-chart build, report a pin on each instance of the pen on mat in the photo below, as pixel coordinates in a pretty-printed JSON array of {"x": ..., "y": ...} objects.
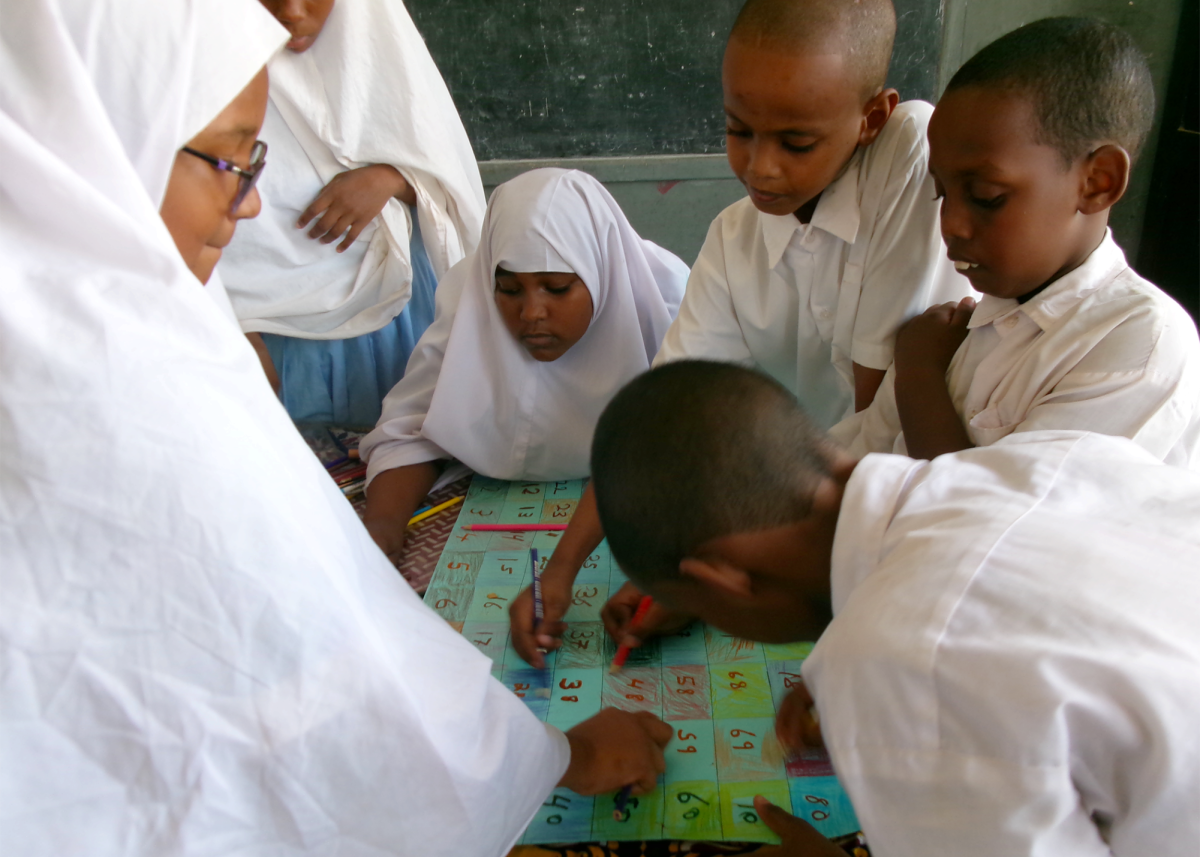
[
  {"x": 428, "y": 512},
  {"x": 512, "y": 528},
  {"x": 623, "y": 650},
  {"x": 621, "y": 799},
  {"x": 538, "y": 611}
]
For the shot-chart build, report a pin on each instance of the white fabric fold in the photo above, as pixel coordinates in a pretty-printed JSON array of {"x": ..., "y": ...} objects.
[
  {"x": 367, "y": 92},
  {"x": 473, "y": 393},
  {"x": 201, "y": 650}
]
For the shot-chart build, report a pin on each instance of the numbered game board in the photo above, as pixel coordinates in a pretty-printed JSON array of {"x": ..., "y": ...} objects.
[{"x": 718, "y": 692}]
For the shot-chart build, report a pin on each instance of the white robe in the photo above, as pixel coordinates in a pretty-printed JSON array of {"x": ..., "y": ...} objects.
[
  {"x": 201, "y": 650},
  {"x": 473, "y": 393},
  {"x": 366, "y": 92}
]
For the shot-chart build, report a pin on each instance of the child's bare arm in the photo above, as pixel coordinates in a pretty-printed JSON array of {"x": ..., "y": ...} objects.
[
  {"x": 264, "y": 357},
  {"x": 924, "y": 348},
  {"x": 353, "y": 199},
  {"x": 578, "y": 542},
  {"x": 392, "y": 498}
]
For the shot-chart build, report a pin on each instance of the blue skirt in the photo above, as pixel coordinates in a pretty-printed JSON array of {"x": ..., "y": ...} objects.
[{"x": 343, "y": 381}]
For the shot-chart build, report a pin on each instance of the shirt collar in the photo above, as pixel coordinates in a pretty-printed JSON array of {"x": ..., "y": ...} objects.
[
  {"x": 837, "y": 213},
  {"x": 1104, "y": 263},
  {"x": 872, "y": 495}
]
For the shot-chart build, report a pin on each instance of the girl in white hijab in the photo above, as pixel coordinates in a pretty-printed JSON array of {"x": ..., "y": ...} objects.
[
  {"x": 560, "y": 306},
  {"x": 201, "y": 651},
  {"x": 373, "y": 194}
]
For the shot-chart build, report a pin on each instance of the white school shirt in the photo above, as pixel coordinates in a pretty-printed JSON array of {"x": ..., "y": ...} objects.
[
  {"x": 1101, "y": 349},
  {"x": 1013, "y": 667},
  {"x": 804, "y": 302}
]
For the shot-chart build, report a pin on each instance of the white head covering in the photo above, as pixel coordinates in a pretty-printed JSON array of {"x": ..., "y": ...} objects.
[
  {"x": 201, "y": 650},
  {"x": 366, "y": 92},
  {"x": 472, "y": 392}
]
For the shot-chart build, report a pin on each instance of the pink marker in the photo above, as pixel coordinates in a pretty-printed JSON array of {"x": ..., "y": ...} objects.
[{"x": 512, "y": 528}]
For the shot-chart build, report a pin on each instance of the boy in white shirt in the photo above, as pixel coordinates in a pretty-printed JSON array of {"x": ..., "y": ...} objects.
[
  {"x": 836, "y": 245},
  {"x": 1009, "y": 658},
  {"x": 1030, "y": 147}
]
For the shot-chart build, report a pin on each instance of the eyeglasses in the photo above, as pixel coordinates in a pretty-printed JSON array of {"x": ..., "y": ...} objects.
[{"x": 246, "y": 177}]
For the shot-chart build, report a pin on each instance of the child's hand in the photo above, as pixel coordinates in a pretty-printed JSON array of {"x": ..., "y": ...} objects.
[
  {"x": 930, "y": 339},
  {"x": 618, "y": 611},
  {"x": 389, "y": 536},
  {"x": 796, "y": 724},
  {"x": 353, "y": 199},
  {"x": 556, "y": 600},
  {"x": 615, "y": 749},
  {"x": 800, "y": 839}
]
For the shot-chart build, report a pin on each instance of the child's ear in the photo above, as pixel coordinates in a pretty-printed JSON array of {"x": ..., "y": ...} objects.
[
  {"x": 1105, "y": 177},
  {"x": 876, "y": 113},
  {"x": 714, "y": 573}
]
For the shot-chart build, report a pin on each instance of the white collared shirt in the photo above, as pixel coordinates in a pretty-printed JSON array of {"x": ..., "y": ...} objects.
[
  {"x": 1014, "y": 663},
  {"x": 1099, "y": 350},
  {"x": 804, "y": 302}
]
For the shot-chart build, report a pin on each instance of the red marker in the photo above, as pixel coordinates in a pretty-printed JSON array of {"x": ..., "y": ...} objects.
[
  {"x": 512, "y": 528},
  {"x": 623, "y": 650}
]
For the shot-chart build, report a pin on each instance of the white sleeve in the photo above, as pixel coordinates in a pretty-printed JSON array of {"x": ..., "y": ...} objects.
[
  {"x": 707, "y": 325},
  {"x": 906, "y": 269},
  {"x": 876, "y": 427},
  {"x": 397, "y": 439},
  {"x": 1153, "y": 400},
  {"x": 915, "y": 803}
]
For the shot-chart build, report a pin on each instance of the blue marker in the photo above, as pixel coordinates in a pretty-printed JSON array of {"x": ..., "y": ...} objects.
[
  {"x": 538, "y": 611},
  {"x": 620, "y": 800}
]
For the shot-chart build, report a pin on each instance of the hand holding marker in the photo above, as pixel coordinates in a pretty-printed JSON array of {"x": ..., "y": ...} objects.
[{"x": 538, "y": 611}]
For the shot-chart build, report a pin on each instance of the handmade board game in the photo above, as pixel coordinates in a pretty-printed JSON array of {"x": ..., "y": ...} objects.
[{"x": 718, "y": 692}]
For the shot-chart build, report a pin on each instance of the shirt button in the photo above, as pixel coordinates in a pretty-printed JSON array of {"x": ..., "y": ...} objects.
[
  {"x": 1011, "y": 321},
  {"x": 826, "y": 314}
]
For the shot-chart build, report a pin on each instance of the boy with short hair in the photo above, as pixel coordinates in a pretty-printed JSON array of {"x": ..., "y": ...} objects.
[
  {"x": 1013, "y": 661},
  {"x": 836, "y": 245},
  {"x": 1030, "y": 147}
]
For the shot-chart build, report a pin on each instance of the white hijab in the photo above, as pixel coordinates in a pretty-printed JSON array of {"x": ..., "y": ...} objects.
[
  {"x": 473, "y": 393},
  {"x": 201, "y": 650},
  {"x": 366, "y": 92}
]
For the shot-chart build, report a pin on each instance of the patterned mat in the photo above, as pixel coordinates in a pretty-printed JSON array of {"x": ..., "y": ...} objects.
[
  {"x": 427, "y": 538},
  {"x": 338, "y": 451}
]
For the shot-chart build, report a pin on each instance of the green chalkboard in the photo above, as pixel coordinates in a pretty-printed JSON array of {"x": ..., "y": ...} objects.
[{"x": 577, "y": 78}]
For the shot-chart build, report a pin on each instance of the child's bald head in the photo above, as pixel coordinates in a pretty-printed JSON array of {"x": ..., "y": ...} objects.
[
  {"x": 720, "y": 498},
  {"x": 860, "y": 30},
  {"x": 803, "y": 83}
]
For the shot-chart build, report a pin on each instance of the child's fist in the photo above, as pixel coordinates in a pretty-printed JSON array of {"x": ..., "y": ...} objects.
[
  {"x": 931, "y": 338},
  {"x": 618, "y": 612},
  {"x": 556, "y": 599},
  {"x": 797, "y": 725},
  {"x": 615, "y": 749}
]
